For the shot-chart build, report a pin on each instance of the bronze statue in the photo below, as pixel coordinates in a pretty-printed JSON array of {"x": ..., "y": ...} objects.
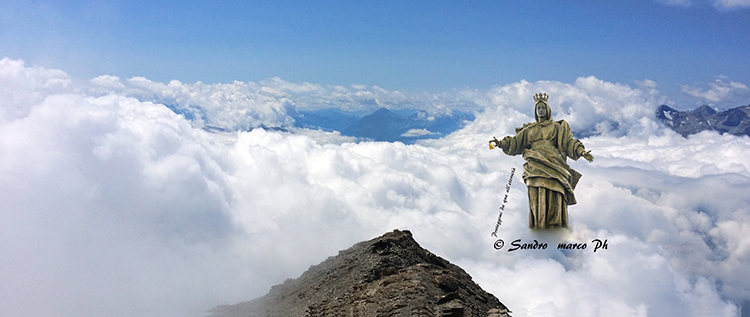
[{"x": 546, "y": 145}]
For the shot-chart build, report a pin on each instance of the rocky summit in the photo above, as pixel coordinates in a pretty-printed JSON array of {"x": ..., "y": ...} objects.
[{"x": 390, "y": 275}]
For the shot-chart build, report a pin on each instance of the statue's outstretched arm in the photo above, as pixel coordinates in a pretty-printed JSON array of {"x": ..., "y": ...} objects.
[
  {"x": 583, "y": 153},
  {"x": 580, "y": 151},
  {"x": 587, "y": 155},
  {"x": 503, "y": 144}
]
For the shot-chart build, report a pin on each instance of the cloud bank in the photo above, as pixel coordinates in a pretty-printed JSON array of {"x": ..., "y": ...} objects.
[
  {"x": 270, "y": 103},
  {"x": 113, "y": 204},
  {"x": 720, "y": 91}
]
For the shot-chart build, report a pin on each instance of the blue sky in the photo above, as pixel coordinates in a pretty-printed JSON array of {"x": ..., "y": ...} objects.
[
  {"x": 112, "y": 204},
  {"x": 414, "y": 45}
]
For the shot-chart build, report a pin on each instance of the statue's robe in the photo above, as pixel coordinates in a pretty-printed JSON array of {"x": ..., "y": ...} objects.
[{"x": 550, "y": 180}]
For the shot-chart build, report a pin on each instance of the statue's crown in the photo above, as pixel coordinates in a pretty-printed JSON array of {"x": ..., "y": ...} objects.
[{"x": 541, "y": 97}]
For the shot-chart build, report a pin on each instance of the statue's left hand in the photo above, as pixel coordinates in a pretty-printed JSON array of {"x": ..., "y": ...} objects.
[{"x": 587, "y": 155}]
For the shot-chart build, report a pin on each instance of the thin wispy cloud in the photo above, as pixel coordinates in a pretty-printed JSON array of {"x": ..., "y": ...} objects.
[
  {"x": 677, "y": 3},
  {"x": 722, "y": 5},
  {"x": 720, "y": 91},
  {"x": 731, "y": 4}
]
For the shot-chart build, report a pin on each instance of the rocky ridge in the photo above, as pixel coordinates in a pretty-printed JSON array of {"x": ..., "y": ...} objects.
[
  {"x": 390, "y": 275},
  {"x": 733, "y": 121}
]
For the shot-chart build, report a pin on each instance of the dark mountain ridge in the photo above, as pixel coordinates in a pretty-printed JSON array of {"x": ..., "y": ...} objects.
[
  {"x": 390, "y": 275},
  {"x": 734, "y": 121}
]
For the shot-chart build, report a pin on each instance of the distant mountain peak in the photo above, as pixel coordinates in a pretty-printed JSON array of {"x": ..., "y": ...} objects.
[
  {"x": 705, "y": 110},
  {"x": 733, "y": 121},
  {"x": 384, "y": 113}
]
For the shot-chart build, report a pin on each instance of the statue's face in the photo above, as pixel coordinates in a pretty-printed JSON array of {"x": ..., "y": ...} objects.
[{"x": 541, "y": 110}]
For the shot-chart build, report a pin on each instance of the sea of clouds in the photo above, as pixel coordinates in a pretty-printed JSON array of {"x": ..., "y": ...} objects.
[{"x": 112, "y": 203}]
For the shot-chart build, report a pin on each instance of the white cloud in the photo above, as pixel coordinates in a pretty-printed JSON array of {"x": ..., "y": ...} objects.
[
  {"x": 695, "y": 156},
  {"x": 732, "y": 93},
  {"x": 243, "y": 106},
  {"x": 590, "y": 106},
  {"x": 114, "y": 205},
  {"x": 285, "y": 86},
  {"x": 100, "y": 195},
  {"x": 21, "y": 87},
  {"x": 108, "y": 82},
  {"x": 417, "y": 133},
  {"x": 234, "y": 106}
]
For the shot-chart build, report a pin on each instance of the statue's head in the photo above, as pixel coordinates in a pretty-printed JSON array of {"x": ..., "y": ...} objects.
[{"x": 542, "y": 112}]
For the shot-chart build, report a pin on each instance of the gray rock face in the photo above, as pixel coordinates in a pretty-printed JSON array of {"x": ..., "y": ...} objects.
[
  {"x": 390, "y": 275},
  {"x": 734, "y": 121}
]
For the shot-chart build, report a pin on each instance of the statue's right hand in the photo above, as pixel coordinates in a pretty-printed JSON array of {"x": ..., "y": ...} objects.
[
  {"x": 503, "y": 144},
  {"x": 495, "y": 141}
]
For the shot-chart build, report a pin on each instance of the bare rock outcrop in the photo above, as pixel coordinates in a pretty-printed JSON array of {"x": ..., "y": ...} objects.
[{"x": 390, "y": 275}]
